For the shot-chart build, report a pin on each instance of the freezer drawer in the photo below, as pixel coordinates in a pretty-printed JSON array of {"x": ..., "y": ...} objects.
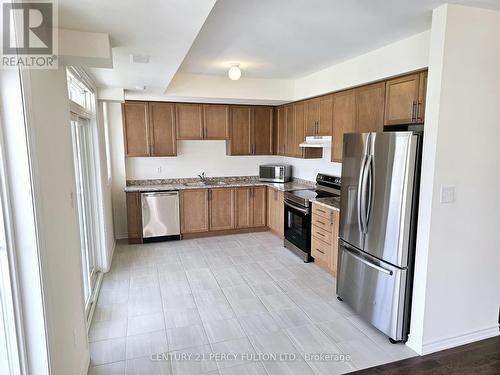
[
  {"x": 160, "y": 214},
  {"x": 374, "y": 289}
]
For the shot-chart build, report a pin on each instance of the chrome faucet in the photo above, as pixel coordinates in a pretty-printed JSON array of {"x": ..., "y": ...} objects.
[{"x": 202, "y": 177}]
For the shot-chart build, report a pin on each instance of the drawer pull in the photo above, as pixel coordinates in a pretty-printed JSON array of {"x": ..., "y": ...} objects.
[
  {"x": 320, "y": 222},
  {"x": 321, "y": 234},
  {"x": 322, "y": 252}
]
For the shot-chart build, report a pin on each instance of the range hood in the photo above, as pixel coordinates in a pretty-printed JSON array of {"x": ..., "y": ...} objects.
[{"x": 317, "y": 142}]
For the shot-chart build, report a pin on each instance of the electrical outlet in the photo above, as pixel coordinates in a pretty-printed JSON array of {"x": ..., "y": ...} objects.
[
  {"x": 447, "y": 194},
  {"x": 75, "y": 337},
  {"x": 72, "y": 199}
]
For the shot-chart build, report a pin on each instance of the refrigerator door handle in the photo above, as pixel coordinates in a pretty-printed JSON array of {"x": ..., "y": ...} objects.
[
  {"x": 366, "y": 262},
  {"x": 360, "y": 199},
  {"x": 368, "y": 205}
]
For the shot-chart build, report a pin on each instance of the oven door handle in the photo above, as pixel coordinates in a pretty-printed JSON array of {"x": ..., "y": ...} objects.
[{"x": 300, "y": 209}]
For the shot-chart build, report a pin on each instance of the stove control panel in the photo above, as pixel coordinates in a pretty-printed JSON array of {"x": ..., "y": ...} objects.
[{"x": 328, "y": 179}]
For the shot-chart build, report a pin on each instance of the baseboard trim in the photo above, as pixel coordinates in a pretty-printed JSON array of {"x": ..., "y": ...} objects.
[
  {"x": 463, "y": 339},
  {"x": 121, "y": 236},
  {"x": 188, "y": 236}
]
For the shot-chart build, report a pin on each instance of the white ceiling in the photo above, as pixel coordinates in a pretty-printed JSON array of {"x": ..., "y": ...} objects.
[
  {"x": 283, "y": 39},
  {"x": 288, "y": 39},
  {"x": 162, "y": 29}
]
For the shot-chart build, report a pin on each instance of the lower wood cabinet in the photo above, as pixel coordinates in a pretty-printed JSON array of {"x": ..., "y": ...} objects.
[
  {"x": 276, "y": 211},
  {"x": 251, "y": 207},
  {"x": 325, "y": 237},
  {"x": 221, "y": 209},
  {"x": 194, "y": 211},
  {"x": 134, "y": 217}
]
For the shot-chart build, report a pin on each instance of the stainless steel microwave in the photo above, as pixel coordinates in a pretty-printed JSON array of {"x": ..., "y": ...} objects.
[{"x": 275, "y": 172}]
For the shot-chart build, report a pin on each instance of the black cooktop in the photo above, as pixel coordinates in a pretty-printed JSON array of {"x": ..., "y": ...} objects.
[{"x": 312, "y": 194}]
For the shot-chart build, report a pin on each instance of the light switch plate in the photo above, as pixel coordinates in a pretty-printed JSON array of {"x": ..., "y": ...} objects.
[{"x": 447, "y": 194}]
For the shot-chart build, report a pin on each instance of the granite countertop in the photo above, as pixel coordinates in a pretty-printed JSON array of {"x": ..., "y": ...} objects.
[
  {"x": 229, "y": 182},
  {"x": 329, "y": 202}
]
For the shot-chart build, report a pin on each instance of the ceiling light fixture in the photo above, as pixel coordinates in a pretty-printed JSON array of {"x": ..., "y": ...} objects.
[{"x": 234, "y": 72}]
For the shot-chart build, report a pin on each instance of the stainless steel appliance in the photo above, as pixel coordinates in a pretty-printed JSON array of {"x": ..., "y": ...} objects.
[
  {"x": 378, "y": 214},
  {"x": 275, "y": 172},
  {"x": 298, "y": 213},
  {"x": 160, "y": 215}
]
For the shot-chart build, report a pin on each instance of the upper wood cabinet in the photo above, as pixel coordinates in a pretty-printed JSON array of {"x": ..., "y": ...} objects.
[
  {"x": 194, "y": 211},
  {"x": 280, "y": 131},
  {"x": 262, "y": 130},
  {"x": 251, "y": 130},
  {"x": 222, "y": 209},
  {"x": 289, "y": 130},
  {"x": 370, "y": 108},
  {"x": 405, "y": 99},
  {"x": 422, "y": 91},
  {"x": 344, "y": 120},
  {"x": 149, "y": 129},
  {"x": 162, "y": 128},
  {"x": 202, "y": 121},
  {"x": 319, "y": 116},
  {"x": 240, "y": 120},
  {"x": 216, "y": 121},
  {"x": 311, "y": 116},
  {"x": 189, "y": 119},
  {"x": 299, "y": 127},
  {"x": 136, "y": 128}
]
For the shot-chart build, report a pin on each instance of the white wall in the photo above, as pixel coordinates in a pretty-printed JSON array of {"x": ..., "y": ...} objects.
[
  {"x": 307, "y": 169},
  {"x": 194, "y": 157},
  {"x": 457, "y": 279},
  {"x": 249, "y": 90},
  {"x": 106, "y": 192},
  {"x": 119, "y": 177},
  {"x": 58, "y": 223},
  {"x": 397, "y": 58}
]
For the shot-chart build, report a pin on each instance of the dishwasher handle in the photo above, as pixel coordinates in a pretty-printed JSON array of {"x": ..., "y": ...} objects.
[{"x": 160, "y": 193}]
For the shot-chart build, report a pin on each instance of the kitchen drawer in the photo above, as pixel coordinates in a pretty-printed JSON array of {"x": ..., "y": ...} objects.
[
  {"x": 321, "y": 222},
  {"x": 323, "y": 235},
  {"x": 322, "y": 211},
  {"x": 320, "y": 250}
]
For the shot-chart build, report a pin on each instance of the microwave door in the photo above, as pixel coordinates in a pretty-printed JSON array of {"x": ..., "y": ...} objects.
[
  {"x": 389, "y": 193},
  {"x": 354, "y": 160}
]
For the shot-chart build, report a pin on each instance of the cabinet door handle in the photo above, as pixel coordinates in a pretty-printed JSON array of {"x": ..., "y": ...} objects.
[
  {"x": 413, "y": 111},
  {"x": 331, "y": 218},
  {"x": 419, "y": 103}
]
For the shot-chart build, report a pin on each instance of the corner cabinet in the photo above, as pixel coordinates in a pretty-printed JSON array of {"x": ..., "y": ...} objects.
[
  {"x": 405, "y": 99},
  {"x": 149, "y": 129}
]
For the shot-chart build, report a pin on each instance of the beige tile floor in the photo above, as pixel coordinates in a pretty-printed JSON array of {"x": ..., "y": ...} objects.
[{"x": 225, "y": 305}]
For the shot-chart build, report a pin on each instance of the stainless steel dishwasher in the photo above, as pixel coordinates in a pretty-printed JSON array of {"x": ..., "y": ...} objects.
[{"x": 160, "y": 215}]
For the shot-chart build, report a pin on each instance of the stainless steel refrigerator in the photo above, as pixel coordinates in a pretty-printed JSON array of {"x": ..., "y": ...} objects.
[{"x": 379, "y": 199}]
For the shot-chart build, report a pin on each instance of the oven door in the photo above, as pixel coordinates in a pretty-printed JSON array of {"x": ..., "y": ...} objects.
[{"x": 298, "y": 226}]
